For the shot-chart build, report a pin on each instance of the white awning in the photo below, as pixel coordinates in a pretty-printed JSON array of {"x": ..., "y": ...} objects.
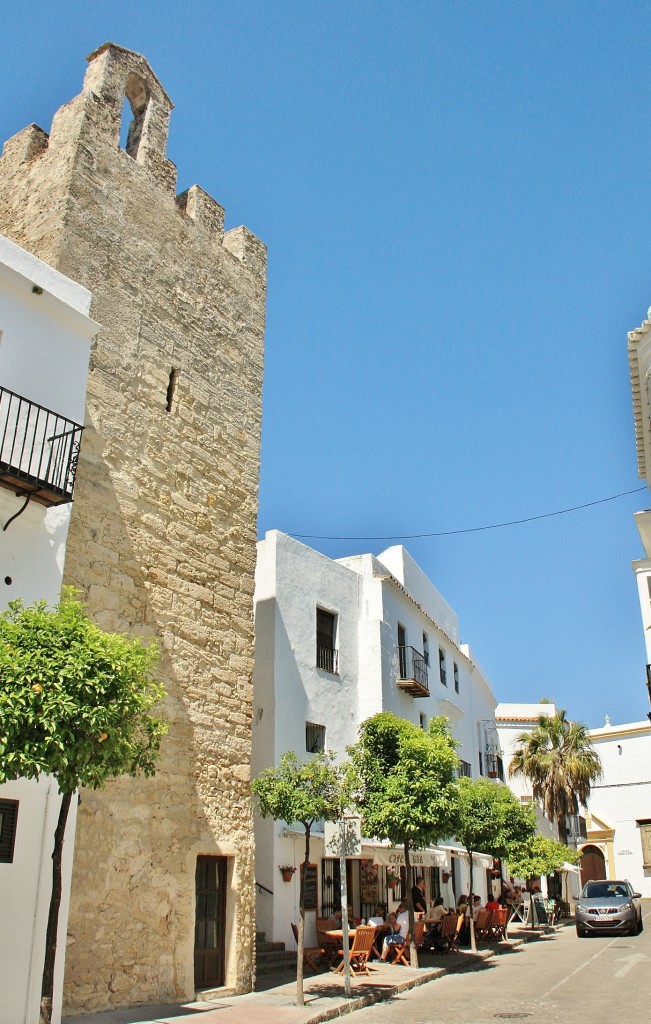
[
  {"x": 479, "y": 860},
  {"x": 571, "y": 867},
  {"x": 390, "y": 857}
]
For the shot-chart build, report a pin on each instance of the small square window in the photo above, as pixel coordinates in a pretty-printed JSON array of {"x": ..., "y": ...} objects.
[
  {"x": 422, "y": 720},
  {"x": 314, "y": 738},
  {"x": 8, "y": 821},
  {"x": 442, "y": 670}
]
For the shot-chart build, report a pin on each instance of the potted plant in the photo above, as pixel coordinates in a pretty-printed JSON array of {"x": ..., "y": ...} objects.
[
  {"x": 287, "y": 871},
  {"x": 445, "y": 876},
  {"x": 392, "y": 878}
]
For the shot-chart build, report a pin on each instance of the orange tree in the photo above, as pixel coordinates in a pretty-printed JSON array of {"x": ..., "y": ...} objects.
[
  {"x": 75, "y": 703},
  {"x": 405, "y": 787},
  {"x": 304, "y": 792}
]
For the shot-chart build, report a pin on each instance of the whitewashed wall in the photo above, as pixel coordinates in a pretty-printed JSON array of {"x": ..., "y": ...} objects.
[
  {"x": 291, "y": 581},
  {"x": 624, "y": 795},
  {"x": 44, "y": 349}
]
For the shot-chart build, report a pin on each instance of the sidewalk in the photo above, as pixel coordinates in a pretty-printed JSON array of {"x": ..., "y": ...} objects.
[{"x": 324, "y": 994}]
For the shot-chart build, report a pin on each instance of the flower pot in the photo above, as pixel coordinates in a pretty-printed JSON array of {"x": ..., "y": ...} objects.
[
  {"x": 287, "y": 876},
  {"x": 392, "y": 883}
]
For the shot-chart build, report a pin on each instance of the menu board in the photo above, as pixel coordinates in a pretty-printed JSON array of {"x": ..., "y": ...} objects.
[
  {"x": 309, "y": 894},
  {"x": 538, "y": 910}
]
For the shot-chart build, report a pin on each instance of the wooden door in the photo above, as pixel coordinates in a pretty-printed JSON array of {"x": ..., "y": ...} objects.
[
  {"x": 593, "y": 865},
  {"x": 210, "y": 922}
]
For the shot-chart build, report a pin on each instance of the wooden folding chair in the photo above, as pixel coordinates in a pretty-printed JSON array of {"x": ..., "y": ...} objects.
[
  {"x": 498, "y": 924},
  {"x": 312, "y": 955},
  {"x": 359, "y": 951},
  {"x": 328, "y": 945},
  {"x": 450, "y": 926},
  {"x": 401, "y": 949},
  {"x": 483, "y": 924}
]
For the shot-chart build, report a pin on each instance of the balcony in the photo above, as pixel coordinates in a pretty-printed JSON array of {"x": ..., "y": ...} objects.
[
  {"x": 38, "y": 450},
  {"x": 492, "y": 766},
  {"x": 412, "y": 672},
  {"x": 327, "y": 658},
  {"x": 576, "y": 827}
]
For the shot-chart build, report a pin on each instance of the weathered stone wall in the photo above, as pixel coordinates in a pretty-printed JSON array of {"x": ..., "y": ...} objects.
[{"x": 162, "y": 538}]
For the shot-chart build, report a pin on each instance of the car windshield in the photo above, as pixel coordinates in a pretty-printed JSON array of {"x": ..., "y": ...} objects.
[{"x": 605, "y": 890}]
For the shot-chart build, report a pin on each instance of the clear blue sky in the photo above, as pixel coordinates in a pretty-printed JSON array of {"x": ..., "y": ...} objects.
[{"x": 455, "y": 198}]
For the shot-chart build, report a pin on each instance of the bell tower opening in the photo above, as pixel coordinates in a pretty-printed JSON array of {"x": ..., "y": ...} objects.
[{"x": 134, "y": 109}]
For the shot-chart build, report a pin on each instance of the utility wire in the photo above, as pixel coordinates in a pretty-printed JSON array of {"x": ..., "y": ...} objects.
[{"x": 474, "y": 529}]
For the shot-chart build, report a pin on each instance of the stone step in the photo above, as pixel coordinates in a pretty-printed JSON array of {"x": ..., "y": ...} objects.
[
  {"x": 276, "y": 956},
  {"x": 276, "y": 967},
  {"x": 269, "y": 947}
]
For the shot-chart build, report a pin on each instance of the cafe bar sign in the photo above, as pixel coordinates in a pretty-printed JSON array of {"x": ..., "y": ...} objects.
[{"x": 393, "y": 858}]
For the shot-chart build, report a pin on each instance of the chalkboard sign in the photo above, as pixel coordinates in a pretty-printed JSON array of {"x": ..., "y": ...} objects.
[
  {"x": 309, "y": 896},
  {"x": 538, "y": 910}
]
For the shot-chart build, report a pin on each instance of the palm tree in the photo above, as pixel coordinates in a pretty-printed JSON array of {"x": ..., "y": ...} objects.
[{"x": 559, "y": 760}]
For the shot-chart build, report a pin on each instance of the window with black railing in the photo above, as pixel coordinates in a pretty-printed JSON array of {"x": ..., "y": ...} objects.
[
  {"x": 39, "y": 450},
  {"x": 326, "y": 632},
  {"x": 464, "y": 771},
  {"x": 493, "y": 766}
]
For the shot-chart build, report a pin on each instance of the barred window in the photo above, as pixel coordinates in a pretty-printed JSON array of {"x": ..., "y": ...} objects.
[{"x": 8, "y": 821}]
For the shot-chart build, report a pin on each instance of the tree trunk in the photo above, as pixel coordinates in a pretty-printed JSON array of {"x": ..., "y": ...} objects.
[
  {"x": 562, "y": 829},
  {"x": 413, "y": 952},
  {"x": 47, "y": 986},
  {"x": 300, "y": 999},
  {"x": 473, "y": 940}
]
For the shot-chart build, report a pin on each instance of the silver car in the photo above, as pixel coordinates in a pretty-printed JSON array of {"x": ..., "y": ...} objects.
[{"x": 608, "y": 906}]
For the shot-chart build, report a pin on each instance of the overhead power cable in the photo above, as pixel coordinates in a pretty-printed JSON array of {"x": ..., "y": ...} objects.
[{"x": 473, "y": 529}]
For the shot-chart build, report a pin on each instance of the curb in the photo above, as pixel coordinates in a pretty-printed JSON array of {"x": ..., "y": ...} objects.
[{"x": 428, "y": 974}]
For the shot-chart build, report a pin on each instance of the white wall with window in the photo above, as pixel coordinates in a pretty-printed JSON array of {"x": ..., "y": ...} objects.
[
  {"x": 619, "y": 812},
  {"x": 379, "y": 616},
  {"x": 45, "y": 337}
]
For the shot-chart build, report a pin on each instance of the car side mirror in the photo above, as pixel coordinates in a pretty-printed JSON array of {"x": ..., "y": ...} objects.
[{"x": 637, "y": 895}]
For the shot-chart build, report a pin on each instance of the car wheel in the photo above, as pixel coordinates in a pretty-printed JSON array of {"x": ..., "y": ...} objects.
[{"x": 640, "y": 927}]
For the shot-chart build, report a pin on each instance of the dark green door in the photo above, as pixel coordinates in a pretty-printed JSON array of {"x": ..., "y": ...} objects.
[{"x": 210, "y": 922}]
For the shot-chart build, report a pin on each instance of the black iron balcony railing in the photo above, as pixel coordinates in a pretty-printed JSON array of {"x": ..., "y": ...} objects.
[
  {"x": 492, "y": 766},
  {"x": 38, "y": 450},
  {"x": 412, "y": 672},
  {"x": 464, "y": 771},
  {"x": 327, "y": 659}
]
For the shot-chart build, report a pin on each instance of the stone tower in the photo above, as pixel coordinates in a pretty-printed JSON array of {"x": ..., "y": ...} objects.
[{"x": 163, "y": 530}]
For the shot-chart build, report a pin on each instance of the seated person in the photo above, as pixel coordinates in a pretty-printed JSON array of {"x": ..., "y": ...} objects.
[
  {"x": 476, "y": 907},
  {"x": 493, "y": 904},
  {"x": 437, "y": 913},
  {"x": 399, "y": 931},
  {"x": 378, "y": 917}
]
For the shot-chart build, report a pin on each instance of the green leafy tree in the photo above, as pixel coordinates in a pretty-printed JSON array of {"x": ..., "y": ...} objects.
[
  {"x": 541, "y": 856},
  {"x": 406, "y": 786},
  {"x": 490, "y": 820},
  {"x": 302, "y": 792},
  {"x": 558, "y": 758},
  {"x": 75, "y": 703}
]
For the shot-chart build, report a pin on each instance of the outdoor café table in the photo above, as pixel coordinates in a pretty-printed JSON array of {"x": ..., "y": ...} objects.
[{"x": 338, "y": 935}]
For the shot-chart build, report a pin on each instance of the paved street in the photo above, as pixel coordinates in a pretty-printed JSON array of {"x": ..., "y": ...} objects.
[{"x": 555, "y": 980}]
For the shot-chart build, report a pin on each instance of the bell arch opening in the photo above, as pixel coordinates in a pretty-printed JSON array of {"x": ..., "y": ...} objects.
[{"x": 134, "y": 109}]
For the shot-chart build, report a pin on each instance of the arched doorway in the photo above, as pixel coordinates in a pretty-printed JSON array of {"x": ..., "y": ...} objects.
[{"x": 593, "y": 864}]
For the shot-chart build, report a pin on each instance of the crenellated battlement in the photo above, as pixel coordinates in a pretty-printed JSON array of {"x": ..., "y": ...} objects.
[{"x": 94, "y": 119}]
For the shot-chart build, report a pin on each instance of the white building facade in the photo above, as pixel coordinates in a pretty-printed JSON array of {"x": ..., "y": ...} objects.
[
  {"x": 639, "y": 354},
  {"x": 618, "y": 841},
  {"x": 45, "y": 338},
  {"x": 337, "y": 642}
]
